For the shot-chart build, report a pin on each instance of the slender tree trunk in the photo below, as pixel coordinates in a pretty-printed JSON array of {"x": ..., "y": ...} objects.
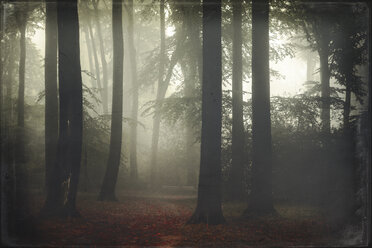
[
  {"x": 96, "y": 63},
  {"x": 109, "y": 181},
  {"x": 61, "y": 200},
  {"x": 156, "y": 121},
  {"x": 310, "y": 67},
  {"x": 103, "y": 58},
  {"x": 236, "y": 191},
  {"x": 325, "y": 87},
  {"x": 260, "y": 199},
  {"x": 21, "y": 180},
  {"x": 134, "y": 114},
  {"x": 347, "y": 106},
  {"x": 89, "y": 49},
  {"x": 208, "y": 209},
  {"x": 51, "y": 93},
  {"x": 193, "y": 78}
]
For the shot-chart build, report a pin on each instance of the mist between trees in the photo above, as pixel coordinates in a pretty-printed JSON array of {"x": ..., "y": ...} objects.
[{"x": 229, "y": 101}]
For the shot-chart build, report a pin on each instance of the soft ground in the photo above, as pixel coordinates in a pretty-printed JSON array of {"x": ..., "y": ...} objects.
[{"x": 143, "y": 219}]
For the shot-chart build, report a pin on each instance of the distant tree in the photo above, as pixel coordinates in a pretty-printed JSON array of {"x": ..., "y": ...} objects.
[
  {"x": 208, "y": 209},
  {"x": 134, "y": 114},
  {"x": 51, "y": 92},
  {"x": 109, "y": 181},
  {"x": 156, "y": 121},
  {"x": 260, "y": 198},
  {"x": 61, "y": 199},
  {"x": 237, "y": 168},
  {"x": 103, "y": 58}
]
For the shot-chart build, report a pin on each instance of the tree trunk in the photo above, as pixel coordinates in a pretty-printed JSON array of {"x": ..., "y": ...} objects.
[
  {"x": 96, "y": 63},
  {"x": 260, "y": 199},
  {"x": 134, "y": 114},
  {"x": 208, "y": 208},
  {"x": 89, "y": 50},
  {"x": 325, "y": 87},
  {"x": 103, "y": 58},
  {"x": 194, "y": 77},
  {"x": 51, "y": 94},
  {"x": 310, "y": 66},
  {"x": 21, "y": 180},
  {"x": 347, "y": 106},
  {"x": 61, "y": 200},
  {"x": 156, "y": 121},
  {"x": 109, "y": 181},
  {"x": 236, "y": 190}
]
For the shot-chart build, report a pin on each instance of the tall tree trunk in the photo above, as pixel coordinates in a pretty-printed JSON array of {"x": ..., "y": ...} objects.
[
  {"x": 109, "y": 181},
  {"x": 103, "y": 58},
  {"x": 156, "y": 121},
  {"x": 51, "y": 93},
  {"x": 61, "y": 200},
  {"x": 89, "y": 50},
  {"x": 260, "y": 199},
  {"x": 236, "y": 190},
  {"x": 208, "y": 209},
  {"x": 21, "y": 180},
  {"x": 134, "y": 114},
  {"x": 347, "y": 107},
  {"x": 325, "y": 114},
  {"x": 310, "y": 66},
  {"x": 96, "y": 63},
  {"x": 193, "y": 26}
]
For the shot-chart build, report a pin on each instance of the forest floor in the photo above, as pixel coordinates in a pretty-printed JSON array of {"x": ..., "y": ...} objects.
[{"x": 143, "y": 219}]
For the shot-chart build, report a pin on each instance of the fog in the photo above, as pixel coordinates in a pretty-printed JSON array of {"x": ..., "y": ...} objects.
[{"x": 231, "y": 126}]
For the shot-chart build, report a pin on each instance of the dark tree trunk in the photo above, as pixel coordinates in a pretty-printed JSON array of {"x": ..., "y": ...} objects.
[
  {"x": 208, "y": 209},
  {"x": 236, "y": 191},
  {"x": 347, "y": 107},
  {"x": 156, "y": 121},
  {"x": 260, "y": 199},
  {"x": 109, "y": 181},
  {"x": 325, "y": 114},
  {"x": 134, "y": 114},
  {"x": 51, "y": 92},
  {"x": 61, "y": 200},
  {"x": 21, "y": 180},
  {"x": 103, "y": 58}
]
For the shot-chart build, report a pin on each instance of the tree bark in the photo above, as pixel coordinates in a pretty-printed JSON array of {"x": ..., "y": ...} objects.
[
  {"x": 103, "y": 58},
  {"x": 208, "y": 209},
  {"x": 236, "y": 190},
  {"x": 51, "y": 93},
  {"x": 260, "y": 198},
  {"x": 61, "y": 201},
  {"x": 109, "y": 181}
]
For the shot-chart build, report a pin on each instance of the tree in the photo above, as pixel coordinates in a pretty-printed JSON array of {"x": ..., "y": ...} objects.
[
  {"x": 156, "y": 121},
  {"x": 134, "y": 114},
  {"x": 236, "y": 190},
  {"x": 103, "y": 58},
  {"x": 208, "y": 209},
  {"x": 51, "y": 93},
  {"x": 260, "y": 198},
  {"x": 61, "y": 199},
  {"x": 109, "y": 181}
]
